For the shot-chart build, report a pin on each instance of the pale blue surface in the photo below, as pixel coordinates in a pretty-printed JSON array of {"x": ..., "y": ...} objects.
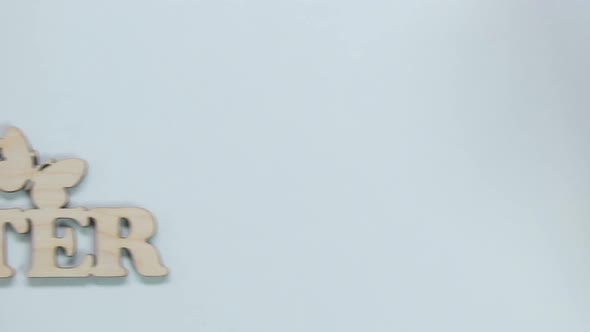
[{"x": 320, "y": 165}]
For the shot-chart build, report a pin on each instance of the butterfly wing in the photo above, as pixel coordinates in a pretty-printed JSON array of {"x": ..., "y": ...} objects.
[
  {"x": 17, "y": 161},
  {"x": 51, "y": 181}
]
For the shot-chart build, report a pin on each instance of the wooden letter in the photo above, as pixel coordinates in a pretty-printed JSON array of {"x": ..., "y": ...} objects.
[
  {"x": 48, "y": 186},
  {"x": 109, "y": 242},
  {"x": 16, "y": 218},
  {"x": 45, "y": 243}
]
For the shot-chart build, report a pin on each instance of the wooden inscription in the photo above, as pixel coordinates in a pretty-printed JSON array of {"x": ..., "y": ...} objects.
[{"x": 47, "y": 185}]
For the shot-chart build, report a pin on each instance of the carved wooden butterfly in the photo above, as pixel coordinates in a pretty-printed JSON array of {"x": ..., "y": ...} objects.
[{"x": 47, "y": 183}]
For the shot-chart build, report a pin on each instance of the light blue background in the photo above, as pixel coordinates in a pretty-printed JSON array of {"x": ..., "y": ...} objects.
[{"x": 320, "y": 165}]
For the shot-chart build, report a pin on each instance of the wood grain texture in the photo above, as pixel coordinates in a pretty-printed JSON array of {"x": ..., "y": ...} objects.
[
  {"x": 45, "y": 243},
  {"x": 19, "y": 223},
  {"x": 48, "y": 186},
  {"x": 18, "y": 161}
]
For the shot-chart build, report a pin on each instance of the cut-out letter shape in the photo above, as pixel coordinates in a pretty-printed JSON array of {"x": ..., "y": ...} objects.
[{"x": 47, "y": 185}]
